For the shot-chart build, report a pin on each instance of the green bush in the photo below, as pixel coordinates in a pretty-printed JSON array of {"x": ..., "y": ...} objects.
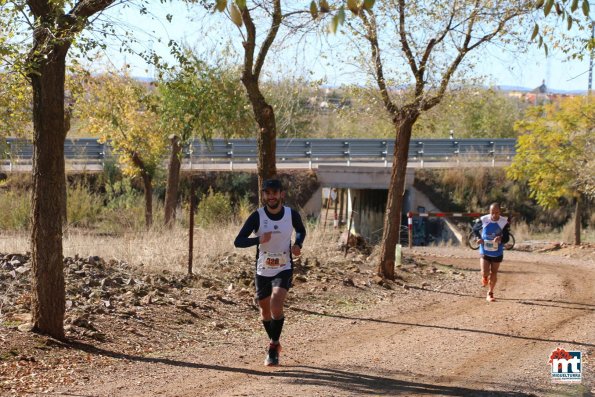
[
  {"x": 214, "y": 208},
  {"x": 15, "y": 209},
  {"x": 83, "y": 207},
  {"x": 244, "y": 208},
  {"x": 120, "y": 194}
]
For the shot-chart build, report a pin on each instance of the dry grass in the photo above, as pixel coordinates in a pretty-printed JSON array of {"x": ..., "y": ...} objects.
[
  {"x": 157, "y": 249},
  {"x": 161, "y": 249}
]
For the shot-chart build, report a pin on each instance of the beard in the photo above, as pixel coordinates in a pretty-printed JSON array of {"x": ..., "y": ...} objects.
[{"x": 274, "y": 205}]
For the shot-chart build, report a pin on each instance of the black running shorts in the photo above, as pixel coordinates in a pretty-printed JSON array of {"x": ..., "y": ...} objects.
[
  {"x": 494, "y": 259},
  {"x": 264, "y": 285}
]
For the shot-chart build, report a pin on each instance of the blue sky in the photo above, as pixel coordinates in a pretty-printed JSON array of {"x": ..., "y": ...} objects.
[{"x": 499, "y": 68}]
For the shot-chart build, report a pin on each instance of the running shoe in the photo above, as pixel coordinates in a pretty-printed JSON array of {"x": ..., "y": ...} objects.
[
  {"x": 484, "y": 281},
  {"x": 272, "y": 357},
  {"x": 490, "y": 297}
]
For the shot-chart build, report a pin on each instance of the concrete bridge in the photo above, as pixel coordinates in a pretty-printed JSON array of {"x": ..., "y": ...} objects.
[
  {"x": 364, "y": 191},
  {"x": 358, "y": 168}
]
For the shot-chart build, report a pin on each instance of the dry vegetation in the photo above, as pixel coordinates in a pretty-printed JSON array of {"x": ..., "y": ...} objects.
[{"x": 134, "y": 300}]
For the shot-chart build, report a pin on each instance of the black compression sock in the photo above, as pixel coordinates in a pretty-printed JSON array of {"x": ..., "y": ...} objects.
[
  {"x": 268, "y": 325},
  {"x": 276, "y": 328}
]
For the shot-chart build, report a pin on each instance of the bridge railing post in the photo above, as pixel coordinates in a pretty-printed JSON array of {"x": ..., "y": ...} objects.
[
  {"x": 309, "y": 153},
  {"x": 385, "y": 153},
  {"x": 347, "y": 152},
  {"x": 230, "y": 154},
  {"x": 493, "y": 153}
]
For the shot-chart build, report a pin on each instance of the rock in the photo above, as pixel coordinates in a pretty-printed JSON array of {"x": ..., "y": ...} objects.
[
  {"x": 348, "y": 282},
  {"x": 22, "y": 317},
  {"x": 83, "y": 322},
  {"x": 146, "y": 300},
  {"x": 217, "y": 325},
  {"x": 22, "y": 269},
  {"x": 15, "y": 263},
  {"x": 27, "y": 327},
  {"x": 107, "y": 282}
]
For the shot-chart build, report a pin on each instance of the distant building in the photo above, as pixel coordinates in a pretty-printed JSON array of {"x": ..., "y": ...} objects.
[{"x": 539, "y": 95}]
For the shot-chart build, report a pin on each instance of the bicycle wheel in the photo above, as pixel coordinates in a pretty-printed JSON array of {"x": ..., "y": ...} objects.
[
  {"x": 510, "y": 244},
  {"x": 472, "y": 241}
]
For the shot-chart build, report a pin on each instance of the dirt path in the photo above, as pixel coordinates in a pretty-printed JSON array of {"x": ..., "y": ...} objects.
[{"x": 430, "y": 340}]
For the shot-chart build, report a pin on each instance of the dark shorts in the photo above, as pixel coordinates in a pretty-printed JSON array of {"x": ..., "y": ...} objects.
[
  {"x": 264, "y": 285},
  {"x": 495, "y": 259}
]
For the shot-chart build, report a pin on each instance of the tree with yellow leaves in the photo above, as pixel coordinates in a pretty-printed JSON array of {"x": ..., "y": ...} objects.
[
  {"x": 556, "y": 153},
  {"x": 122, "y": 111}
]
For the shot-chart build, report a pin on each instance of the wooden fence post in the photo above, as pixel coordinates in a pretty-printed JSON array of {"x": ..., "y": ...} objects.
[{"x": 191, "y": 227}]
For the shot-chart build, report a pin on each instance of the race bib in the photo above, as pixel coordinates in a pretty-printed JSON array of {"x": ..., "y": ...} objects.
[
  {"x": 274, "y": 260},
  {"x": 490, "y": 245}
]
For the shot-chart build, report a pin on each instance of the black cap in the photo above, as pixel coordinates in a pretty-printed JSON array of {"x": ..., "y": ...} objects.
[{"x": 274, "y": 184}]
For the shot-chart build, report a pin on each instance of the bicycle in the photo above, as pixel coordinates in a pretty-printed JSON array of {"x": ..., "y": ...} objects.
[{"x": 474, "y": 245}]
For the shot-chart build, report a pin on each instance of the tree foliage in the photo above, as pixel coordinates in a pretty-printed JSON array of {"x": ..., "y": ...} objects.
[
  {"x": 570, "y": 13},
  {"x": 124, "y": 111},
  {"x": 15, "y": 105},
  {"x": 472, "y": 112},
  {"x": 556, "y": 150},
  {"x": 205, "y": 101}
]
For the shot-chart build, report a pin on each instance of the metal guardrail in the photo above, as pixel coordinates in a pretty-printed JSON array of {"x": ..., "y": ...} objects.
[
  {"x": 351, "y": 151},
  {"x": 89, "y": 152}
]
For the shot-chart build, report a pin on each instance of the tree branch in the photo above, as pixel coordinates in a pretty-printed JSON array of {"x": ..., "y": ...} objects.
[
  {"x": 463, "y": 50},
  {"x": 403, "y": 39},
  {"x": 268, "y": 41},
  {"x": 250, "y": 42},
  {"x": 372, "y": 37},
  {"x": 76, "y": 20}
]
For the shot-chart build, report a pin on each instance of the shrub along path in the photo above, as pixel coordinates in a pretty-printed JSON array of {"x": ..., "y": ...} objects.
[{"x": 347, "y": 332}]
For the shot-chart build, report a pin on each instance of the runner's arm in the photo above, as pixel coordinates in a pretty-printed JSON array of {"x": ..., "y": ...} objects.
[
  {"x": 243, "y": 239},
  {"x": 298, "y": 225}
]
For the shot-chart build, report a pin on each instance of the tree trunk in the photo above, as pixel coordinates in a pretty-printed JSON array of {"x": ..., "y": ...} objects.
[
  {"x": 48, "y": 197},
  {"x": 148, "y": 186},
  {"x": 267, "y": 136},
  {"x": 577, "y": 219},
  {"x": 394, "y": 204},
  {"x": 173, "y": 181}
]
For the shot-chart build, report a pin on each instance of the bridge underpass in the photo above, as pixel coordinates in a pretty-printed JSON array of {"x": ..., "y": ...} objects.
[{"x": 364, "y": 191}]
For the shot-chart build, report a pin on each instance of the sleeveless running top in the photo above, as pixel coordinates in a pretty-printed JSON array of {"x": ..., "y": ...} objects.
[{"x": 274, "y": 256}]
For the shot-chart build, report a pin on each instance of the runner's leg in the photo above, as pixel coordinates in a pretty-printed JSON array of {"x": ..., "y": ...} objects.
[
  {"x": 494, "y": 266},
  {"x": 485, "y": 271}
]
